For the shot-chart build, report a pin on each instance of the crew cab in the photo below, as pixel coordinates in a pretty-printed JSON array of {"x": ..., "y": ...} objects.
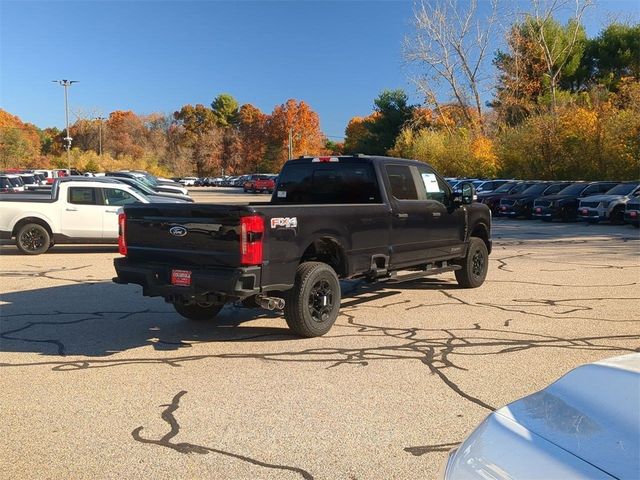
[
  {"x": 609, "y": 206},
  {"x": 329, "y": 218},
  {"x": 82, "y": 210}
]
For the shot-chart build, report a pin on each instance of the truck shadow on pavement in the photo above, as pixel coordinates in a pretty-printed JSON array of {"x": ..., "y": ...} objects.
[{"x": 94, "y": 319}]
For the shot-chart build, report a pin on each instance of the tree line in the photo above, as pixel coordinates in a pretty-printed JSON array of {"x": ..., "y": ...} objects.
[{"x": 550, "y": 103}]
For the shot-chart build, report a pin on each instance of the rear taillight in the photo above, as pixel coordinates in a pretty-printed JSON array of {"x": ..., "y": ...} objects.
[
  {"x": 122, "y": 230},
  {"x": 251, "y": 237}
]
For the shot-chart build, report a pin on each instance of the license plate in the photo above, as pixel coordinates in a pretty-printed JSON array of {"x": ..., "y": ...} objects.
[
  {"x": 181, "y": 278},
  {"x": 585, "y": 211},
  {"x": 504, "y": 209},
  {"x": 633, "y": 214},
  {"x": 538, "y": 210}
]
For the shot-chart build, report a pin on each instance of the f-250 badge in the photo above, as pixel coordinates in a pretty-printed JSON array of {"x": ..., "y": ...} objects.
[{"x": 287, "y": 222}]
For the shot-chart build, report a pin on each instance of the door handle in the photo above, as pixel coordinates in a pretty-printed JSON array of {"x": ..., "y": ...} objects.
[
  {"x": 72, "y": 209},
  {"x": 402, "y": 215}
]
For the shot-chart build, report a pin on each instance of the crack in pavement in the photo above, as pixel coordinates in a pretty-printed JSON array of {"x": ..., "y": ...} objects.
[
  {"x": 441, "y": 447},
  {"x": 165, "y": 441}
]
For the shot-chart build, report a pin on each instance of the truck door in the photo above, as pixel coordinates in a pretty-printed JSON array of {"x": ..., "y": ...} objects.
[
  {"x": 410, "y": 217},
  {"x": 81, "y": 217},
  {"x": 114, "y": 198},
  {"x": 445, "y": 231}
]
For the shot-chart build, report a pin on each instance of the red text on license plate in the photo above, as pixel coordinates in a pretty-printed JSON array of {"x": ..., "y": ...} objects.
[
  {"x": 585, "y": 212},
  {"x": 633, "y": 214},
  {"x": 181, "y": 277},
  {"x": 538, "y": 210}
]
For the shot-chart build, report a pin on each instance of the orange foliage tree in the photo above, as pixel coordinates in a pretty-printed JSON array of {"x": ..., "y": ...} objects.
[
  {"x": 19, "y": 142},
  {"x": 304, "y": 125}
]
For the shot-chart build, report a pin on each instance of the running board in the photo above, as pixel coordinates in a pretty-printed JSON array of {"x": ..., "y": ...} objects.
[{"x": 416, "y": 275}]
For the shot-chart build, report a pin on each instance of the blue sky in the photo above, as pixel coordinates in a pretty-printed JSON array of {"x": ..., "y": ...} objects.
[{"x": 150, "y": 56}]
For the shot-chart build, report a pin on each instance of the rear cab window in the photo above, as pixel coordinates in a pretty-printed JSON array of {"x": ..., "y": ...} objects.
[
  {"x": 83, "y": 196},
  {"x": 327, "y": 183}
]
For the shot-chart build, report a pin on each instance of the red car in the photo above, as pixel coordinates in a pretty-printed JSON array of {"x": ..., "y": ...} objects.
[{"x": 260, "y": 183}]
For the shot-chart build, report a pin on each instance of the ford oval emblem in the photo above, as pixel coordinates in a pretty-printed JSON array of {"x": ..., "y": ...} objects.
[{"x": 178, "y": 231}]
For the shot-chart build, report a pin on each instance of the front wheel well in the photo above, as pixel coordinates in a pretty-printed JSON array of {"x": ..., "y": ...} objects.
[
  {"x": 481, "y": 231},
  {"x": 27, "y": 220},
  {"x": 327, "y": 250}
]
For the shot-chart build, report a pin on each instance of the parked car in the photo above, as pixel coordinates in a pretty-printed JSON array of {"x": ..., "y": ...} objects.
[
  {"x": 609, "y": 206},
  {"x": 151, "y": 182},
  {"x": 584, "y": 425},
  {"x": 16, "y": 182},
  {"x": 486, "y": 186},
  {"x": 632, "y": 212},
  {"x": 188, "y": 181},
  {"x": 259, "y": 183},
  {"x": 492, "y": 199},
  {"x": 138, "y": 185},
  {"x": 564, "y": 205},
  {"x": 329, "y": 218},
  {"x": 76, "y": 211},
  {"x": 521, "y": 204}
]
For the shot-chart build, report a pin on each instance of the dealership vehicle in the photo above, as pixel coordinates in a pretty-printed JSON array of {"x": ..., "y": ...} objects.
[
  {"x": 75, "y": 211},
  {"x": 521, "y": 204},
  {"x": 632, "y": 212},
  {"x": 151, "y": 182},
  {"x": 564, "y": 205},
  {"x": 492, "y": 199},
  {"x": 10, "y": 184},
  {"x": 142, "y": 187},
  {"x": 188, "y": 181},
  {"x": 486, "y": 186},
  {"x": 259, "y": 183},
  {"x": 329, "y": 218},
  {"x": 609, "y": 206},
  {"x": 585, "y": 425}
]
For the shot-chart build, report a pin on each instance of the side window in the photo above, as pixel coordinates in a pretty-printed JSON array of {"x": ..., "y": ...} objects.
[
  {"x": 114, "y": 196},
  {"x": 434, "y": 188},
  {"x": 605, "y": 187},
  {"x": 590, "y": 190},
  {"x": 83, "y": 196},
  {"x": 401, "y": 181}
]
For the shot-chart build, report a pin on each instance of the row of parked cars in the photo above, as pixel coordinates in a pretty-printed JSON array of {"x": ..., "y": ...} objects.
[
  {"x": 253, "y": 183},
  {"x": 567, "y": 201}
]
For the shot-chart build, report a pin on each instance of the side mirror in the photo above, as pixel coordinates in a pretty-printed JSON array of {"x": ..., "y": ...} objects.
[{"x": 465, "y": 194}]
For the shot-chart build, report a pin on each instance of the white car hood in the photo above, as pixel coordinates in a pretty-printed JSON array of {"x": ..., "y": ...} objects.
[{"x": 585, "y": 425}]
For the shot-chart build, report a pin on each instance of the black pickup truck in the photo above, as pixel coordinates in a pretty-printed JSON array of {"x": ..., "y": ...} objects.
[{"x": 329, "y": 218}]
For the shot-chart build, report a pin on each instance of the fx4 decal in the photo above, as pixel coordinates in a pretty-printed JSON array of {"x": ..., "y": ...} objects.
[{"x": 287, "y": 222}]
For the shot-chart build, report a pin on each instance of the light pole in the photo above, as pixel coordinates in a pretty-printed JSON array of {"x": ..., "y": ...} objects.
[
  {"x": 100, "y": 119},
  {"x": 66, "y": 84}
]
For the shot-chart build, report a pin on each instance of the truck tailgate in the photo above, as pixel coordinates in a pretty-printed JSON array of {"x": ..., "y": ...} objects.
[{"x": 185, "y": 234}]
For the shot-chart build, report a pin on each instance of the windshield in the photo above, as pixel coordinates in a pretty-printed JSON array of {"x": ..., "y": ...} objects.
[
  {"x": 15, "y": 181},
  {"x": 504, "y": 188},
  {"x": 573, "y": 189},
  {"x": 554, "y": 188},
  {"x": 622, "y": 189},
  {"x": 28, "y": 179},
  {"x": 537, "y": 188},
  {"x": 141, "y": 187},
  {"x": 520, "y": 188}
]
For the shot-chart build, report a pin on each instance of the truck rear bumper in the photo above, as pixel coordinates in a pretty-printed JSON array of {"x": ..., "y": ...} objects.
[{"x": 206, "y": 285}]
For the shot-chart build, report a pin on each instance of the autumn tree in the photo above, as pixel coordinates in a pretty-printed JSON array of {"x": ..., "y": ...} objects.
[
  {"x": 124, "y": 134},
  {"x": 19, "y": 142},
  {"x": 252, "y": 128},
  {"x": 196, "y": 126},
  {"x": 298, "y": 121}
]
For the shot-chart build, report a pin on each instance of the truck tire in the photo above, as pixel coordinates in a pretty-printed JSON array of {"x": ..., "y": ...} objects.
[
  {"x": 474, "y": 265},
  {"x": 198, "y": 311},
  {"x": 313, "y": 303},
  {"x": 33, "y": 239}
]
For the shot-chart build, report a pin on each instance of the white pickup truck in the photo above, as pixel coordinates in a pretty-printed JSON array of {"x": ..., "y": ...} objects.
[{"x": 75, "y": 211}]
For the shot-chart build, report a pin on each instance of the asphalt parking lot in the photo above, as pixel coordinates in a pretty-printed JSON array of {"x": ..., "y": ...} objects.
[{"x": 100, "y": 382}]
